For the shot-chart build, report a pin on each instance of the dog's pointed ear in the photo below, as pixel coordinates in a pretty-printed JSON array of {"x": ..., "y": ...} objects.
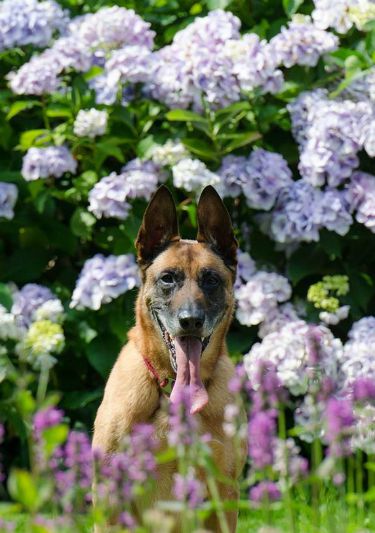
[
  {"x": 215, "y": 226},
  {"x": 159, "y": 226}
]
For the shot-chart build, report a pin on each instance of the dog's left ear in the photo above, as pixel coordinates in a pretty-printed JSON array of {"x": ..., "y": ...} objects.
[
  {"x": 159, "y": 227},
  {"x": 215, "y": 226}
]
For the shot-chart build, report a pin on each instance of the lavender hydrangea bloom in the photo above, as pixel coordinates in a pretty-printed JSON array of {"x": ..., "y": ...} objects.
[
  {"x": 208, "y": 60},
  {"x": 8, "y": 199},
  {"x": 103, "y": 279},
  {"x": 302, "y": 43},
  {"x": 246, "y": 268},
  {"x": 335, "y": 214},
  {"x": 112, "y": 28},
  {"x": 296, "y": 215},
  {"x": 361, "y": 198},
  {"x": 330, "y": 134},
  {"x": 357, "y": 360},
  {"x": 288, "y": 350},
  {"x": 267, "y": 173},
  {"x": 139, "y": 179},
  {"x": 90, "y": 123},
  {"x": 38, "y": 76},
  {"x": 259, "y": 296},
  {"x": 254, "y": 64},
  {"x": 188, "y": 489},
  {"x": 41, "y": 74},
  {"x": 193, "y": 175},
  {"x": 45, "y": 162},
  {"x": 233, "y": 175},
  {"x": 277, "y": 318},
  {"x": 28, "y": 300},
  {"x": 24, "y": 22}
]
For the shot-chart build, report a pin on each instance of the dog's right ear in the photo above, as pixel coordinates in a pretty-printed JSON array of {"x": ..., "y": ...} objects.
[{"x": 159, "y": 227}]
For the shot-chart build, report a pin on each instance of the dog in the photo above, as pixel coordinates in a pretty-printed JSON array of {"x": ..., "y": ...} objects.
[{"x": 183, "y": 312}]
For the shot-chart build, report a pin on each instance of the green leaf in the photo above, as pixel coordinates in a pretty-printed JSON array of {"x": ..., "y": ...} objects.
[
  {"x": 21, "y": 105},
  {"x": 28, "y": 138},
  {"x": 181, "y": 115},
  {"x": 307, "y": 260},
  {"x": 59, "y": 111},
  {"x": 241, "y": 139},
  {"x": 201, "y": 148},
  {"x": 291, "y": 6},
  {"x": 102, "y": 352},
  {"x": 53, "y": 437},
  {"x": 78, "y": 399},
  {"x": 23, "y": 489},
  {"x": 108, "y": 148},
  {"x": 82, "y": 223},
  {"x": 6, "y": 299}
]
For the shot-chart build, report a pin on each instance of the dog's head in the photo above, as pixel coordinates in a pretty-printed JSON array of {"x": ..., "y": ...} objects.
[{"x": 187, "y": 285}]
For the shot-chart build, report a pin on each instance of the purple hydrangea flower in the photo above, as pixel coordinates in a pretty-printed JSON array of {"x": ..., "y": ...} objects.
[
  {"x": 208, "y": 60},
  {"x": 103, "y": 279},
  {"x": 265, "y": 491},
  {"x": 233, "y": 175},
  {"x": 261, "y": 294},
  {"x": 330, "y": 134},
  {"x": 138, "y": 179},
  {"x": 45, "y": 162},
  {"x": 24, "y": 22},
  {"x": 112, "y": 28},
  {"x": 246, "y": 268},
  {"x": 361, "y": 198},
  {"x": 38, "y": 76},
  {"x": 357, "y": 360},
  {"x": 277, "y": 318},
  {"x": 267, "y": 173},
  {"x": 188, "y": 489},
  {"x": 28, "y": 300},
  {"x": 340, "y": 420},
  {"x": 335, "y": 215},
  {"x": 296, "y": 215},
  {"x": 302, "y": 43},
  {"x": 8, "y": 199},
  {"x": 262, "y": 435}
]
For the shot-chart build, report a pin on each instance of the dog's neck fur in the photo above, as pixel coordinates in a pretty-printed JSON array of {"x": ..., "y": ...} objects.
[{"x": 150, "y": 344}]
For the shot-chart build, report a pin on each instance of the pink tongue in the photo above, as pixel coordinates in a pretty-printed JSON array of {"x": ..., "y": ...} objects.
[{"x": 188, "y": 356}]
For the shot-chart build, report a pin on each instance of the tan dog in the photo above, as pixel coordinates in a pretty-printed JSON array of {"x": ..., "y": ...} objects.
[{"x": 183, "y": 312}]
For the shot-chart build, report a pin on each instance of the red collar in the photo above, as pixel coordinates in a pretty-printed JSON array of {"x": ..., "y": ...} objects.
[{"x": 162, "y": 382}]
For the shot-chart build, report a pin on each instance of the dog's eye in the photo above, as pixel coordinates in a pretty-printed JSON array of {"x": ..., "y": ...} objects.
[
  {"x": 211, "y": 281},
  {"x": 167, "y": 279}
]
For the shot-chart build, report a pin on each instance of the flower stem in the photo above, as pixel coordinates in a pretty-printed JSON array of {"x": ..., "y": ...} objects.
[
  {"x": 212, "y": 485},
  {"x": 42, "y": 385}
]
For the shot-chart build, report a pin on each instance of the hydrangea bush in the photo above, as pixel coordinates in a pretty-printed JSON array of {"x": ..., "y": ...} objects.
[{"x": 275, "y": 107}]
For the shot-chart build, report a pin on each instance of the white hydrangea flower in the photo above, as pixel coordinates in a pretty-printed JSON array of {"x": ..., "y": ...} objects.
[
  {"x": 9, "y": 326},
  {"x": 288, "y": 349},
  {"x": 169, "y": 153},
  {"x": 334, "y": 318},
  {"x": 193, "y": 175},
  {"x": 52, "y": 310},
  {"x": 90, "y": 123},
  {"x": 364, "y": 430}
]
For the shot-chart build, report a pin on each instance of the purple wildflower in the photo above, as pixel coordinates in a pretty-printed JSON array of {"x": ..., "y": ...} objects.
[
  {"x": 45, "y": 419},
  {"x": 364, "y": 389},
  {"x": 265, "y": 491},
  {"x": 340, "y": 420},
  {"x": 188, "y": 489},
  {"x": 183, "y": 425},
  {"x": 269, "y": 392},
  {"x": 262, "y": 434}
]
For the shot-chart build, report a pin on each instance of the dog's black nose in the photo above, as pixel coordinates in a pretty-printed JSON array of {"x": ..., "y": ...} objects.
[{"x": 191, "y": 320}]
